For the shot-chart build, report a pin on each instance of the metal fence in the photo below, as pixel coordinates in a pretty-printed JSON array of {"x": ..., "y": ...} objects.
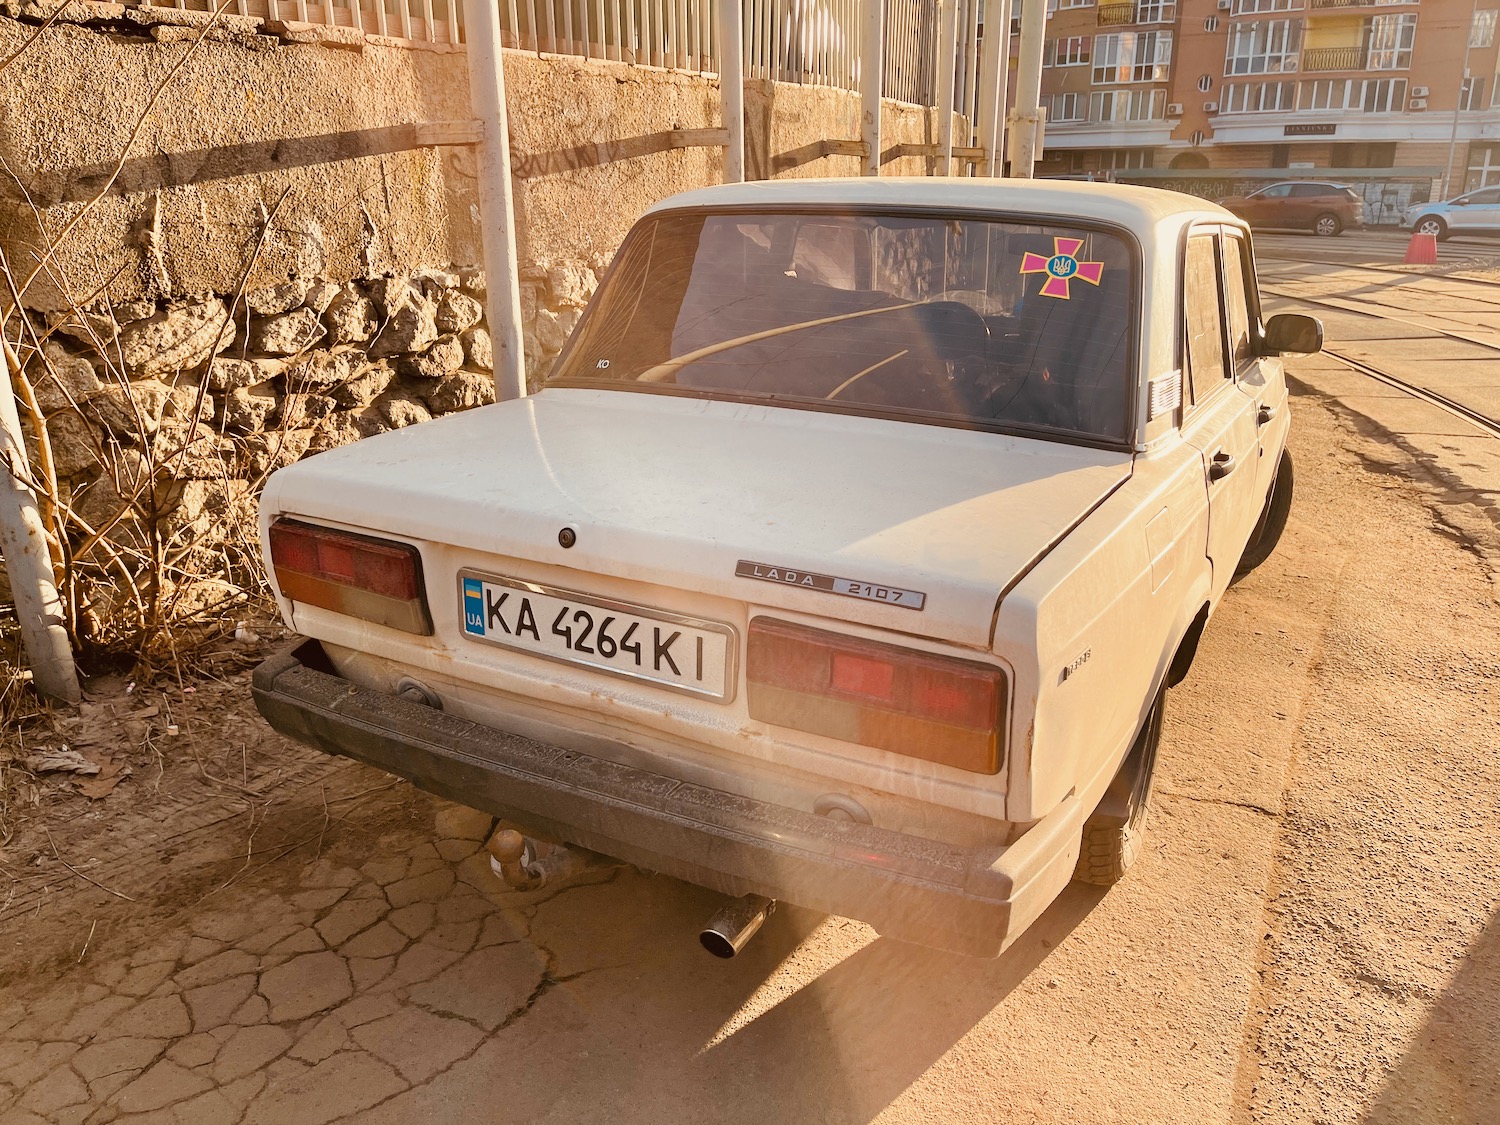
[
  {"x": 810, "y": 42},
  {"x": 676, "y": 34},
  {"x": 421, "y": 21}
]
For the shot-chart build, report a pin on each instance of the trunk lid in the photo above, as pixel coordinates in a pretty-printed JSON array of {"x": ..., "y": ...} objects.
[{"x": 680, "y": 492}]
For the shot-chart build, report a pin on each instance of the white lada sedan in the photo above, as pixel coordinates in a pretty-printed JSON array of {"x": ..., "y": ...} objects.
[{"x": 845, "y": 559}]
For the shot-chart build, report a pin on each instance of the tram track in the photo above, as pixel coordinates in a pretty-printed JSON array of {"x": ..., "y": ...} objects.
[
  {"x": 1447, "y": 403},
  {"x": 1458, "y": 409},
  {"x": 1346, "y": 305}
]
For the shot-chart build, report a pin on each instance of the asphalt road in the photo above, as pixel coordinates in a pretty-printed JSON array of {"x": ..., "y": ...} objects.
[{"x": 1310, "y": 936}]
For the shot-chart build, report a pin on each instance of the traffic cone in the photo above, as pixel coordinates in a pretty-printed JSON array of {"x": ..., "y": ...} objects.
[{"x": 1421, "y": 250}]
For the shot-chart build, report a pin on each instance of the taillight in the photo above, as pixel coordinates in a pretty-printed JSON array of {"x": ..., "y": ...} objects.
[
  {"x": 359, "y": 575},
  {"x": 914, "y": 703}
]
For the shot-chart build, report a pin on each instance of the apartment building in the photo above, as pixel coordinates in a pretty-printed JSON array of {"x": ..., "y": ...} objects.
[{"x": 1368, "y": 90}]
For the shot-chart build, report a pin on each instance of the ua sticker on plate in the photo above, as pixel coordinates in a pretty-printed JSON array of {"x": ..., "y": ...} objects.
[{"x": 1062, "y": 267}]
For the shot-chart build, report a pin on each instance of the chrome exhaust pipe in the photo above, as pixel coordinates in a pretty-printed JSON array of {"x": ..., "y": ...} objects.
[{"x": 731, "y": 929}]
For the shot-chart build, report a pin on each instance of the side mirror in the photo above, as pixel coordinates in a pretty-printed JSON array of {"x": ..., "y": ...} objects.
[{"x": 1292, "y": 332}]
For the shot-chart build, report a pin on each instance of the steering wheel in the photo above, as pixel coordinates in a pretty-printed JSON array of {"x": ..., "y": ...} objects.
[{"x": 955, "y": 332}]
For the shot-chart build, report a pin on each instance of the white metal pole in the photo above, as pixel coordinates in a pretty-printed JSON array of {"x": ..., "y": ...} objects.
[
  {"x": 989, "y": 105},
  {"x": 996, "y": 140},
  {"x": 1025, "y": 122},
  {"x": 732, "y": 87},
  {"x": 947, "y": 75},
  {"x": 496, "y": 203},
  {"x": 971, "y": 66},
  {"x": 23, "y": 542},
  {"x": 871, "y": 73}
]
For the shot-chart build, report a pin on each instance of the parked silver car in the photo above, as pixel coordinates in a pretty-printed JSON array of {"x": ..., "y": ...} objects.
[{"x": 1476, "y": 212}]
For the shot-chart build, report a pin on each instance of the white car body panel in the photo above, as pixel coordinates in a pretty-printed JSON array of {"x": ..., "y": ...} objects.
[{"x": 503, "y": 480}]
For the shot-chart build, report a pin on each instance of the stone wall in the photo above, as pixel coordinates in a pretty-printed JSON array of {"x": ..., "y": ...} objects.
[{"x": 283, "y": 261}]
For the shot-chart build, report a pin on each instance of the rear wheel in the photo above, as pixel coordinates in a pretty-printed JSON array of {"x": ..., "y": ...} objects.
[
  {"x": 1272, "y": 520},
  {"x": 1327, "y": 225},
  {"x": 1112, "y": 836},
  {"x": 1434, "y": 226}
]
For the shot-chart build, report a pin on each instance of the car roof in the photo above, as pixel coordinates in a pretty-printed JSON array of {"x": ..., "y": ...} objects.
[{"x": 1122, "y": 204}]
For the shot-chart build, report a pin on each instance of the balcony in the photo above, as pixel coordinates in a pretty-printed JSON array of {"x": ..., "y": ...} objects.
[
  {"x": 1316, "y": 59},
  {"x": 1357, "y": 3},
  {"x": 1112, "y": 15}
]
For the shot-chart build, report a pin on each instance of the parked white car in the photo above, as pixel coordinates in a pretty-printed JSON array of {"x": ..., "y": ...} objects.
[
  {"x": 846, "y": 558},
  {"x": 1476, "y": 212}
]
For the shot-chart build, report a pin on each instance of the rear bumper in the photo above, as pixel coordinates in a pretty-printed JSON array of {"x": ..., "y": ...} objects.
[{"x": 972, "y": 901}]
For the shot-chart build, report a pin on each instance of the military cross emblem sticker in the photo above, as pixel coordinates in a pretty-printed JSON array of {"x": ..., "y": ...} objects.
[{"x": 1062, "y": 267}]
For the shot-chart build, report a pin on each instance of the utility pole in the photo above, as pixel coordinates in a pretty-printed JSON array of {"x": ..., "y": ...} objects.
[
  {"x": 732, "y": 87},
  {"x": 497, "y": 208},
  {"x": 1463, "y": 87},
  {"x": 1026, "y": 119},
  {"x": 23, "y": 542}
]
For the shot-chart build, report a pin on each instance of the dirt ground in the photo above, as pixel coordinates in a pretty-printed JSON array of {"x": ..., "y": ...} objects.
[{"x": 242, "y": 930}]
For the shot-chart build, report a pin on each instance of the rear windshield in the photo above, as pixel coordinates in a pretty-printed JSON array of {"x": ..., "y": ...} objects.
[{"x": 1003, "y": 324}]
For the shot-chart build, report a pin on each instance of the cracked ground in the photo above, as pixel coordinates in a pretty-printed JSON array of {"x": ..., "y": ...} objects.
[{"x": 246, "y": 931}]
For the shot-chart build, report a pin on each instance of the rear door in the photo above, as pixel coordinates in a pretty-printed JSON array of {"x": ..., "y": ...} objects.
[
  {"x": 1302, "y": 204},
  {"x": 1260, "y": 378},
  {"x": 1217, "y": 420}
]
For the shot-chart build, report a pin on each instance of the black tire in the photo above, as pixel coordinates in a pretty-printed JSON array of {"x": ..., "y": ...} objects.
[
  {"x": 1272, "y": 520},
  {"x": 1431, "y": 224},
  {"x": 1328, "y": 225},
  {"x": 1112, "y": 843}
]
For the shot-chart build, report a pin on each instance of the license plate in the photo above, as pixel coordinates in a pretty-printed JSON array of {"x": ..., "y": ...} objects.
[{"x": 639, "y": 642}]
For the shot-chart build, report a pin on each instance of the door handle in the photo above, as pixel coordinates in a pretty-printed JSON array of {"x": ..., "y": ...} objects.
[
  {"x": 1265, "y": 414},
  {"x": 1221, "y": 465}
]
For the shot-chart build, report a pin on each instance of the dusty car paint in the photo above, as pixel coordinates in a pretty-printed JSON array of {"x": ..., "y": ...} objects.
[{"x": 1079, "y": 570}]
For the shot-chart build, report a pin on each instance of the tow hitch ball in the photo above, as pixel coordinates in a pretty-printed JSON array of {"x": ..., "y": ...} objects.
[
  {"x": 731, "y": 929},
  {"x": 527, "y": 864}
]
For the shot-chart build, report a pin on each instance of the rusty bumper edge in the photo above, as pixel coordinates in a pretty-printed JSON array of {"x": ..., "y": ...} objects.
[{"x": 908, "y": 888}]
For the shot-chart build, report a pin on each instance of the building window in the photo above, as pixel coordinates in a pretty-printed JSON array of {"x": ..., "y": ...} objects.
[
  {"x": 1326, "y": 95},
  {"x": 1075, "y": 3},
  {"x": 1471, "y": 96},
  {"x": 1066, "y": 107},
  {"x": 1263, "y": 47},
  {"x": 1251, "y": 7},
  {"x": 1383, "y": 95},
  {"x": 1484, "y": 165},
  {"x": 1156, "y": 11},
  {"x": 1211, "y": 23},
  {"x": 1258, "y": 97},
  {"x": 1073, "y": 51},
  {"x": 1390, "y": 41},
  {"x": 1364, "y": 154},
  {"x": 1482, "y": 30},
  {"x": 1132, "y": 56},
  {"x": 1083, "y": 161},
  {"x": 1128, "y": 105}
]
